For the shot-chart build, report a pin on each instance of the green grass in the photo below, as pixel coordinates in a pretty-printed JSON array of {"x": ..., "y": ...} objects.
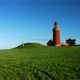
[
  {"x": 30, "y": 45},
  {"x": 40, "y": 63}
]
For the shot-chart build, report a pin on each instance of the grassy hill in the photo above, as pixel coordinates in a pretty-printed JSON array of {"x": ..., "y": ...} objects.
[
  {"x": 40, "y": 63},
  {"x": 30, "y": 45}
]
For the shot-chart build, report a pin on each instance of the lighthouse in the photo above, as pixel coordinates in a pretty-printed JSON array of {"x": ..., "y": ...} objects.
[{"x": 56, "y": 35}]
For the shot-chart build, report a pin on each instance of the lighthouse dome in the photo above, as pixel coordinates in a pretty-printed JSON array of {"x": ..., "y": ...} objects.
[{"x": 56, "y": 27}]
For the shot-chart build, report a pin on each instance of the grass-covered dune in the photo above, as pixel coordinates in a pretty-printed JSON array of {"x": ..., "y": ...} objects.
[{"x": 40, "y": 63}]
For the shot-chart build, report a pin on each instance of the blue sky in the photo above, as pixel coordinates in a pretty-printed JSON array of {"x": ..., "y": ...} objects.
[{"x": 33, "y": 20}]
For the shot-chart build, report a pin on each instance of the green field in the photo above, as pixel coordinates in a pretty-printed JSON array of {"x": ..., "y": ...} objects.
[{"x": 37, "y": 62}]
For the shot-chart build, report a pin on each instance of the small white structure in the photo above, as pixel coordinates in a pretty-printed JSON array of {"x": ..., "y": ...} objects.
[
  {"x": 64, "y": 44},
  {"x": 23, "y": 44}
]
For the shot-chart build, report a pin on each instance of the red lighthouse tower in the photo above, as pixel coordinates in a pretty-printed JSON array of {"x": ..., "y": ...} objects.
[{"x": 56, "y": 35}]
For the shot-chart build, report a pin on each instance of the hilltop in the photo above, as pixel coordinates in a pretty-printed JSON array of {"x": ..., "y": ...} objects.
[{"x": 30, "y": 45}]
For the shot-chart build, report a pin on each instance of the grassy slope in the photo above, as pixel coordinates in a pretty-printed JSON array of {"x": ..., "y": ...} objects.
[
  {"x": 30, "y": 45},
  {"x": 42, "y": 63}
]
